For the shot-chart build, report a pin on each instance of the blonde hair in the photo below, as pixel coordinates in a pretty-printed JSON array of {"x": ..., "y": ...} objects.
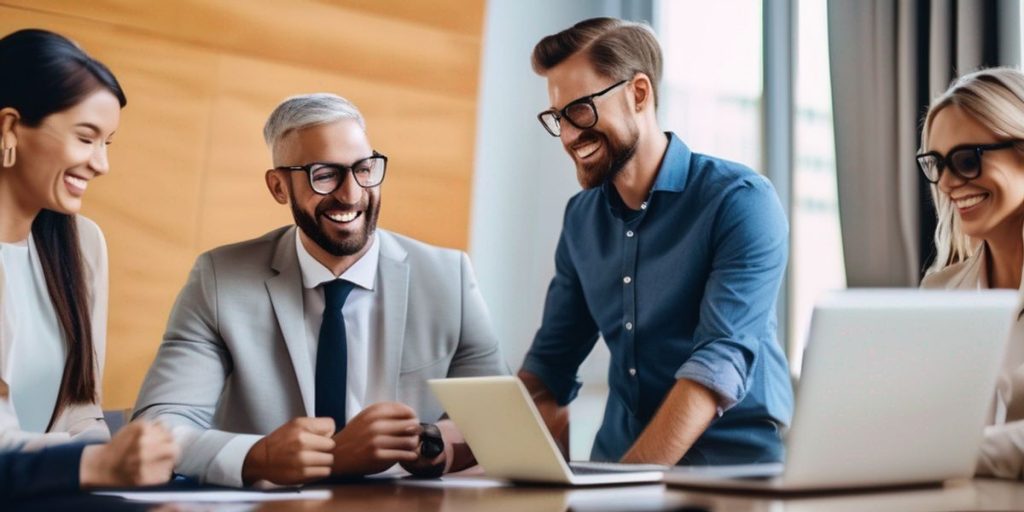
[{"x": 995, "y": 98}]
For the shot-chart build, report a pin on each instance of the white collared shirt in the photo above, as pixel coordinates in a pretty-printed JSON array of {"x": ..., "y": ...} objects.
[{"x": 361, "y": 312}]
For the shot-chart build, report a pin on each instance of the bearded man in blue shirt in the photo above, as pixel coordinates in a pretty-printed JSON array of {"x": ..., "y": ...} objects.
[{"x": 673, "y": 257}]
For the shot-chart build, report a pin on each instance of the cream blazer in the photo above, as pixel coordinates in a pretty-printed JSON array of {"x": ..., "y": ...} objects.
[
  {"x": 78, "y": 422},
  {"x": 1002, "y": 451}
]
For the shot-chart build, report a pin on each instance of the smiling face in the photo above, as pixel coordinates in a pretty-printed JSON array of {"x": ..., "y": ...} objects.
[
  {"x": 599, "y": 152},
  {"x": 341, "y": 222},
  {"x": 992, "y": 204},
  {"x": 57, "y": 159}
]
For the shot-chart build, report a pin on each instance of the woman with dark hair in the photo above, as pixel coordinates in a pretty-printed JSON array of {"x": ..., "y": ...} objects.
[{"x": 59, "y": 109}]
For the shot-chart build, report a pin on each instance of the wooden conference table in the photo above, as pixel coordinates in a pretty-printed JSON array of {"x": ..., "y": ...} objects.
[{"x": 458, "y": 496}]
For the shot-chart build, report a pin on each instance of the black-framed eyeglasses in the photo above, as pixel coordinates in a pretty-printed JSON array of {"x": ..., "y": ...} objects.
[
  {"x": 326, "y": 177},
  {"x": 963, "y": 161},
  {"x": 581, "y": 113}
]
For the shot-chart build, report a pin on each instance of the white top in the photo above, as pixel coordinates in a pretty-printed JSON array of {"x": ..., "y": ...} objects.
[
  {"x": 361, "y": 326},
  {"x": 39, "y": 347},
  {"x": 20, "y": 430},
  {"x": 1002, "y": 451}
]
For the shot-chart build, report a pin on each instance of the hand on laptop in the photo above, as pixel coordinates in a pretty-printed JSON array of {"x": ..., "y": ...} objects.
[
  {"x": 141, "y": 453},
  {"x": 299, "y": 451},
  {"x": 556, "y": 417},
  {"x": 375, "y": 439}
]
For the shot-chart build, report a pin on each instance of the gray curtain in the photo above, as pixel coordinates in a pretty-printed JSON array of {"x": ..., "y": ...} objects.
[{"x": 888, "y": 59}]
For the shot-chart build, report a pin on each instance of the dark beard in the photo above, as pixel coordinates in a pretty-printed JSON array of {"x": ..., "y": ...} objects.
[
  {"x": 616, "y": 157},
  {"x": 313, "y": 227}
]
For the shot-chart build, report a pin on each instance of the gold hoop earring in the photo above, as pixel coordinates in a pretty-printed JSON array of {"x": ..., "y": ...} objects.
[{"x": 10, "y": 156}]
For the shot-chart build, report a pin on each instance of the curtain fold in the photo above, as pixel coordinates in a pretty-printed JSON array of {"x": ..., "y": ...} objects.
[{"x": 888, "y": 59}]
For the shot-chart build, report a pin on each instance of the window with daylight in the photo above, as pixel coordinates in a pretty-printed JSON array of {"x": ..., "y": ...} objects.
[
  {"x": 714, "y": 101},
  {"x": 816, "y": 253}
]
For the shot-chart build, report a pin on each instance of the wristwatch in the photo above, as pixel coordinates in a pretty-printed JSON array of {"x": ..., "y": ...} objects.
[{"x": 431, "y": 442}]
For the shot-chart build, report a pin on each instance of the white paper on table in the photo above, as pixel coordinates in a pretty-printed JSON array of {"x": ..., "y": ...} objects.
[{"x": 218, "y": 496}]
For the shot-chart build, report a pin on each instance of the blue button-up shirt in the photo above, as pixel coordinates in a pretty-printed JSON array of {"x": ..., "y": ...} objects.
[{"x": 684, "y": 288}]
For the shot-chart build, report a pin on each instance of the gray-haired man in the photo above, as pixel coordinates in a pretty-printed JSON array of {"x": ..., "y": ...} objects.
[{"x": 305, "y": 353}]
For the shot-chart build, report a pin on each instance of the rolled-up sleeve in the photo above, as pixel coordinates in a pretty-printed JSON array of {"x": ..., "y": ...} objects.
[
  {"x": 567, "y": 333},
  {"x": 737, "y": 312}
]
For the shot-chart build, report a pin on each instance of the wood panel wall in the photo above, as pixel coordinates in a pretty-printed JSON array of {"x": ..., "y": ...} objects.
[{"x": 201, "y": 77}]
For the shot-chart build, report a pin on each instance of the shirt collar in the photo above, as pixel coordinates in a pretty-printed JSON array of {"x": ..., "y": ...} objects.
[
  {"x": 362, "y": 273},
  {"x": 975, "y": 271},
  {"x": 672, "y": 173},
  {"x": 978, "y": 273},
  {"x": 675, "y": 166}
]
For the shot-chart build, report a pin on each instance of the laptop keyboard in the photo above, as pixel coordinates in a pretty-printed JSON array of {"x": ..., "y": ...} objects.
[{"x": 610, "y": 468}]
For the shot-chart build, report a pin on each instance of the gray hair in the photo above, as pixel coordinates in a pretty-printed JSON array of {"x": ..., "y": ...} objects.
[{"x": 305, "y": 110}]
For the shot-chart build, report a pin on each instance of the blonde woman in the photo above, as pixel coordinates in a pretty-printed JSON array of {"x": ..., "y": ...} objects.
[{"x": 973, "y": 153}]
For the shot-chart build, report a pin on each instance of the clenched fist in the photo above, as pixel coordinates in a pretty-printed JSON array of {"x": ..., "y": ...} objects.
[
  {"x": 140, "y": 454},
  {"x": 375, "y": 439},
  {"x": 298, "y": 452}
]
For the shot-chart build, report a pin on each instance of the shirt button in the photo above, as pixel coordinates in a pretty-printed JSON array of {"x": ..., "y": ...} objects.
[
  {"x": 643, "y": 205},
  {"x": 629, "y": 326},
  {"x": 632, "y": 372},
  {"x": 629, "y": 234},
  {"x": 627, "y": 279}
]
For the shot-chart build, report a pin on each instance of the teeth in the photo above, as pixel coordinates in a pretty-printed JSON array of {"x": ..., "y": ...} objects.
[
  {"x": 969, "y": 201},
  {"x": 76, "y": 182},
  {"x": 342, "y": 217},
  {"x": 585, "y": 151}
]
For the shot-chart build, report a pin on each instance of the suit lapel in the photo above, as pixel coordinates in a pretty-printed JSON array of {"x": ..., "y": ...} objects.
[
  {"x": 285, "y": 290},
  {"x": 394, "y": 281}
]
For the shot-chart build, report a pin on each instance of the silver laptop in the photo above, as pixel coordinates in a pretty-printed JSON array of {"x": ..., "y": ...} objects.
[
  {"x": 509, "y": 439},
  {"x": 895, "y": 391}
]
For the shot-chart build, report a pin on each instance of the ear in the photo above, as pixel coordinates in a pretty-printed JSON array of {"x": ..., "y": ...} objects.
[
  {"x": 277, "y": 185},
  {"x": 9, "y": 118},
  {"x": 643, "y": 92}
]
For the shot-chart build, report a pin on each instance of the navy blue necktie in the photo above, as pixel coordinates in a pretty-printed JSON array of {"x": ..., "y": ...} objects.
[{"x": 332, "y": 355}]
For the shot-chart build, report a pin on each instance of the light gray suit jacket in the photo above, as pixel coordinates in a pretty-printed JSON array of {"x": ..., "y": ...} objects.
[{"x": 235, "y": 358}]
